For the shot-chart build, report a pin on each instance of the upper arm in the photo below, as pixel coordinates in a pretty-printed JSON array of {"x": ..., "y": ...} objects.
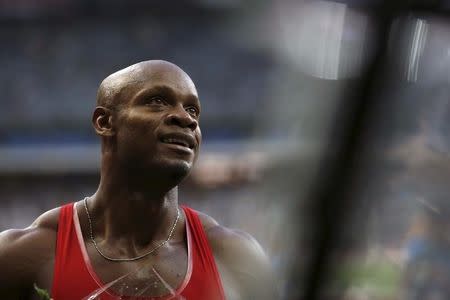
[
  {"x": 16, "y": 262},
  {"x": 23, "y": 253},
  {"x": 241, "y": 260}
]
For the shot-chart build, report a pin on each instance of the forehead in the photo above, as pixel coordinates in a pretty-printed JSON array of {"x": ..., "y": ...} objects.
[
  {"x": 145, "y": 76},
  {"x": 171, "y": 76}
]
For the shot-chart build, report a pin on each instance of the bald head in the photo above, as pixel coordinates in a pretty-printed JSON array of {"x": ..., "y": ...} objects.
[
  {"x": 140, "y": 111},
  {"x": 115, "y": 88}
]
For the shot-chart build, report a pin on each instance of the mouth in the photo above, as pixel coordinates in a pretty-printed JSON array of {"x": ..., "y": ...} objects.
[{"x": 179, "y": 139}]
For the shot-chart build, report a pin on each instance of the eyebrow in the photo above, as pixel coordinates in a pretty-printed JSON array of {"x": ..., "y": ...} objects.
[{"x": 164, "y": 90}]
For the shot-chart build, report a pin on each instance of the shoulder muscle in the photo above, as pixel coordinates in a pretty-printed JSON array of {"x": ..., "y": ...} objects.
[
  {"x": 241, "y": 258},
  {"x": 24, "y": 252}
]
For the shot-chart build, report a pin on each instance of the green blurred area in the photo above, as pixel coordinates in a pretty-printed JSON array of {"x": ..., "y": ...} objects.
[{"x": 376, "y": 280}]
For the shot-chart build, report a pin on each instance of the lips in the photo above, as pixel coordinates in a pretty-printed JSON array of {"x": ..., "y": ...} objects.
[{"x": 180, "y": 139}]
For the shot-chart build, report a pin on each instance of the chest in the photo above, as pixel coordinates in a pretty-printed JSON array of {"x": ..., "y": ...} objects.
[
  {"x": 158, "y": 274},
  {"x": 178, "y": 266}
]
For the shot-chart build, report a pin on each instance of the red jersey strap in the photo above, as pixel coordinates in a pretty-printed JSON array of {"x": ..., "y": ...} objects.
[
  {"x": 71, "y": 278},
  {"x": 204, "y": 262},
  {"x": 65, "y": 217}
]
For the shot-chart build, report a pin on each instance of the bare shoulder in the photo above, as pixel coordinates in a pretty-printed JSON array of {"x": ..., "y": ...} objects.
[
  {"x": 48, "y": 220},
  {"x": 226, "y": 241},
  {"x": 241, "y": 258},
  {"x": 24, "y": 253}
]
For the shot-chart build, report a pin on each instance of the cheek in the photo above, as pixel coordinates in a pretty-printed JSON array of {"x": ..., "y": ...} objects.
[
  {"x": 199, "y": 136},
  {"x": 139, "y": 123},
  {"x": 137, "y": 133},
  {"x": 199, "y": 143}
]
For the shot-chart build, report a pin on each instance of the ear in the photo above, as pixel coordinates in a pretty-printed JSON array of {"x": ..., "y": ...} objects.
[{"x": 102, "y": 120}]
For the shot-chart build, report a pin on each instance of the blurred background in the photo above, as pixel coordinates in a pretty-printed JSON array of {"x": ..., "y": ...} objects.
[{"x": 326, "y": 126}]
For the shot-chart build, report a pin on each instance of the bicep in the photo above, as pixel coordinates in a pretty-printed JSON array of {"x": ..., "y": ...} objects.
[
  {"x": 14, "y": 274},
  {"x": 246, "y": 281},
  {"x": 243, "y": 263},
  {"x": 21, "y": 256},
  {"x": 255, "y": 273}
]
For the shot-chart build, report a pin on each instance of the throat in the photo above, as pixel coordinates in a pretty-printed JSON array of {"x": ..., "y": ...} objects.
[
  {"x": 134, "y": 250},
  {"x": 130, "y": 212},
  {"x": 132, "y": 227}
]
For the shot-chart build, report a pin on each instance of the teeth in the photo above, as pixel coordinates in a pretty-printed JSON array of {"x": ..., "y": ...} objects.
[{"x": 175, "y": 141}]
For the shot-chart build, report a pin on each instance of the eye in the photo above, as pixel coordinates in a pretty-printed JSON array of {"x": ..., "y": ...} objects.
[
  {"x": 155, "y": 100},
  {"x": 193, "y": 111}
]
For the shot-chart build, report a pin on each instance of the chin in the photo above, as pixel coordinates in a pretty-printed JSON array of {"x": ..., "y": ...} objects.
[{"x": 176, "y": 169}]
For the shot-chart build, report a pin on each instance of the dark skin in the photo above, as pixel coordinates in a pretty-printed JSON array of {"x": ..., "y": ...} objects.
[{"x": 147, "y": 116}]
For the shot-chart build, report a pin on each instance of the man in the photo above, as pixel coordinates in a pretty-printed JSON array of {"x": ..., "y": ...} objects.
[{"x": 132, "y": 233}]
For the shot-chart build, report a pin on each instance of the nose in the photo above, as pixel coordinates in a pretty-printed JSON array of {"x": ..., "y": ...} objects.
[{"x": 180, "y": 117}]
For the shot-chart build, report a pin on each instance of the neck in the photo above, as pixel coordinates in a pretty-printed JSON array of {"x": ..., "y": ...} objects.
[{"x": 131, "y": 211}]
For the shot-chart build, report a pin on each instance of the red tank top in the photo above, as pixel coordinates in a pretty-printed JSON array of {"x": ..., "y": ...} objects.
[{"x": 75, "y": 279}]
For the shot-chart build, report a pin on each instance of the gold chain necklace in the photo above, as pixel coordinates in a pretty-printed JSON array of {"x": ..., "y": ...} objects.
[{"x": 133, "y": 258}]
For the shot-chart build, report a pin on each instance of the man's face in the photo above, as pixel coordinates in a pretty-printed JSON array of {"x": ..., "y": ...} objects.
[{"x": 157, "y": 126}]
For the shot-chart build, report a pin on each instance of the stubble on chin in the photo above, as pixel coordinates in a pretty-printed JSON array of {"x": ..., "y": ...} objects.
[{"x": 175, "y": 169}]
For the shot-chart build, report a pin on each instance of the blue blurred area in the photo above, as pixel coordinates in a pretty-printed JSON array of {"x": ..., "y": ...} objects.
[{"x": 52, "y": 71}]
